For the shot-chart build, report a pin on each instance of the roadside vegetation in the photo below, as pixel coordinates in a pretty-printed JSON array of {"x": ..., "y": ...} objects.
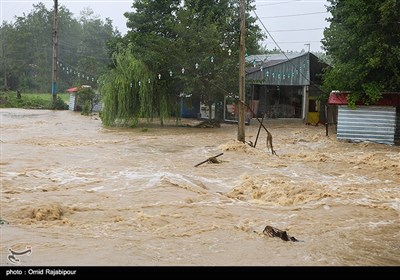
[{"x": 8, "y": 99}]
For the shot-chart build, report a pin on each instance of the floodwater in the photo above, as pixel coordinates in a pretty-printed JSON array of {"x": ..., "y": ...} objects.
[{"x": 82, "y": 194}]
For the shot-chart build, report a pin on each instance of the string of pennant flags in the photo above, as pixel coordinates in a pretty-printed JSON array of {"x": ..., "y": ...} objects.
[
  {"x": 268, "y": 74},
  {"x": 71, "y": 71},
  {"x": 283, "y": 76}
]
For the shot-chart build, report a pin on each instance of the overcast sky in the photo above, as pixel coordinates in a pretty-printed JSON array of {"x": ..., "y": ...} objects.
[{"x": 292, "y": 23}]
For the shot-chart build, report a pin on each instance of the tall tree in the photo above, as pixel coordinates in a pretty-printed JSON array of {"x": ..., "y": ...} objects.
[
  {"x": 27, "y": 47},
  {"x": 92, "y": 49},
  {"x": 152, "y": 36},
  {"x": 5, "y": 69},
  {"x": 192, "y": 46},
  {"x": 70, "y": 36},
  {"x": 126, "y": 93},
  {"x": 363, "y": 42}
]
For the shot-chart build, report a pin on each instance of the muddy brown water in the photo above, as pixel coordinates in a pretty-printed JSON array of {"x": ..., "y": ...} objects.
[{"x": 82, "y": 194}]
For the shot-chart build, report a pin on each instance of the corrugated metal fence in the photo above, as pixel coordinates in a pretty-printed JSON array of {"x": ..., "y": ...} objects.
[
  {"x": 397, "y": 135},
  {"x": 71, "y": 105},
  {"x": 368, "y": 123}
]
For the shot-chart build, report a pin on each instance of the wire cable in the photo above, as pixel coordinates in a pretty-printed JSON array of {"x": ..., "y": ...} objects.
[{"x": 287, "y": 58}]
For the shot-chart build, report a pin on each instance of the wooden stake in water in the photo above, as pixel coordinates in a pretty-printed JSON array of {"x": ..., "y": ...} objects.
[{"x": 210, "y": 159}]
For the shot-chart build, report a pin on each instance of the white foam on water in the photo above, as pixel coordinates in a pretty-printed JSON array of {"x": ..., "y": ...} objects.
[
  {"x": 394, "y": 204},
  {"x": 10, "y": 174},
  {"x": 380, "y": 223},
  {"x": 96, "y": 189},
  {"x": 152, "y": 179}
]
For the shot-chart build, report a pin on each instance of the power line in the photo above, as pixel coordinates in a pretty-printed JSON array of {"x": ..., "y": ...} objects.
[
  {"x": 297, "y": 15},
  {"x": 272, "y": 38},
  {"x": 295, "y": 30},
  {"x": 287, "y": 58},
  {"x": 267, "y": 3},
  {"x": 274, "y": 4},
  {"x": 298, "y": 42},
  {"x": 83, "y": 55}
]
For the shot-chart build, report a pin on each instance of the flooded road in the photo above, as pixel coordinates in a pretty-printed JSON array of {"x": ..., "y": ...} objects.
[{"x": 82, "y": 194}]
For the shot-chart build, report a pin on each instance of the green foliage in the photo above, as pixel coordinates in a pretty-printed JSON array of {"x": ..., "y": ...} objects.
[
  {"x": 87, "y": 98},
  {"x": 171, "y": 37},
  {"x": 86, "y": 108},
  {"x": 31, "y": 101},
  {"x": 126, "y": 95},
  {"x": 363, "y": 43},
  {"x": 60, "y": 104},
  {"x": 93, "y": 57},
  {"x": 27, "y": 49}
]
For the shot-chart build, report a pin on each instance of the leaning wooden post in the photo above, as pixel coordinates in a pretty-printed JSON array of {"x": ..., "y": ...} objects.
[
  {"x": 259, "y": 129},
  {"x": 269, "y": 137},
  {"x": 254, "y": 115}
]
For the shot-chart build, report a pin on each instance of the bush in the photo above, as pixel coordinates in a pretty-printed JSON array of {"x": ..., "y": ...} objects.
[
  {"x": 86, "y": 108},
  {"x": 60, "y": 104},
  {"x": 31, "y": 101},
  {"x": 86, "y": 98}
]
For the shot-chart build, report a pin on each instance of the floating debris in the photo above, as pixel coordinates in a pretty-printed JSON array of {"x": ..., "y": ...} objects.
[
  {"x": 274, "y": 232},
  {"x": 209, "y": 124},
  {"x": 2, "y": 222}
]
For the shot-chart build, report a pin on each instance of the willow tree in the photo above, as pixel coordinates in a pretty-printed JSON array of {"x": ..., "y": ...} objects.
[
  {"x": 153, "y": 40},
  {"x": 127, "y": 91}
]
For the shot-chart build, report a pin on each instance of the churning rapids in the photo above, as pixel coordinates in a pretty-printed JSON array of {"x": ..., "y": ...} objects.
[{"x": 82, "y": 194}]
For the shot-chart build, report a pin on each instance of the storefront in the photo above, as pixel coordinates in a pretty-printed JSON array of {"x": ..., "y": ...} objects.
[{"x": 287, "y": 86}]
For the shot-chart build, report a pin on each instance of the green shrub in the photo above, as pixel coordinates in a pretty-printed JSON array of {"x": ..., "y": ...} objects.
[
  {"x": 86, "y": 96},
  {"x": 31, "y": 101},
  {"x": 60, "y": 104},
  {"x": 86, "y": 108}
]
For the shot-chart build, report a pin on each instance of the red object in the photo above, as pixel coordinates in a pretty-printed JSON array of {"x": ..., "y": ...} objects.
[
  {"x": 74, "y": 89},
  {"x": 388, "y": 99}
]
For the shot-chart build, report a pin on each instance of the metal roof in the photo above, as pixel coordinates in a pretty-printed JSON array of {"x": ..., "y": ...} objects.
[
  {"x": 272, "y": 57},
  {"x": 74, "y": 89},
  {"x": 294, "y": 70}
]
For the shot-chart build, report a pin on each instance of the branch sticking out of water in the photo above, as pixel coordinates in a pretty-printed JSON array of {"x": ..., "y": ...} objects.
[{"x": 210, "y": 159}]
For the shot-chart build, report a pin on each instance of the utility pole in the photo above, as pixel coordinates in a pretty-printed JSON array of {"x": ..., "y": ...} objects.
[
  {"x": 55, "y": 54},
  {"x": 241, "y": 128},
  {"x": 309, "y": 45},
  {"x": 3, "y": 56}
]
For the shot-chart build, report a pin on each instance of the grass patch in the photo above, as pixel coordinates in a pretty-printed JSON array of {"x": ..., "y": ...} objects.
[{"x": 33, "y": 100}]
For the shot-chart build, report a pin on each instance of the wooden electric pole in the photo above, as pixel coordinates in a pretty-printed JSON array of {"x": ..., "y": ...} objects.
[
  {"x": 55, "y": 54},
  {"x": 3, "y": 58},
  {"x": 241, "y": 120}
]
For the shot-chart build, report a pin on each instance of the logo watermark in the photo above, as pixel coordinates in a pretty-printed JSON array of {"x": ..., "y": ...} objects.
[{"x": 12, "y": 257}]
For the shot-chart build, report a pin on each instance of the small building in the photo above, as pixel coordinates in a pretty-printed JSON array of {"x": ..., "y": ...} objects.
[
  {"x": 189, "y": 106},
  {"x": 378, "y": 123},
  {"x": 286, "y": 86},
  {"x": 280, "y": 85},
  {"x": 73, "y": 104}
]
